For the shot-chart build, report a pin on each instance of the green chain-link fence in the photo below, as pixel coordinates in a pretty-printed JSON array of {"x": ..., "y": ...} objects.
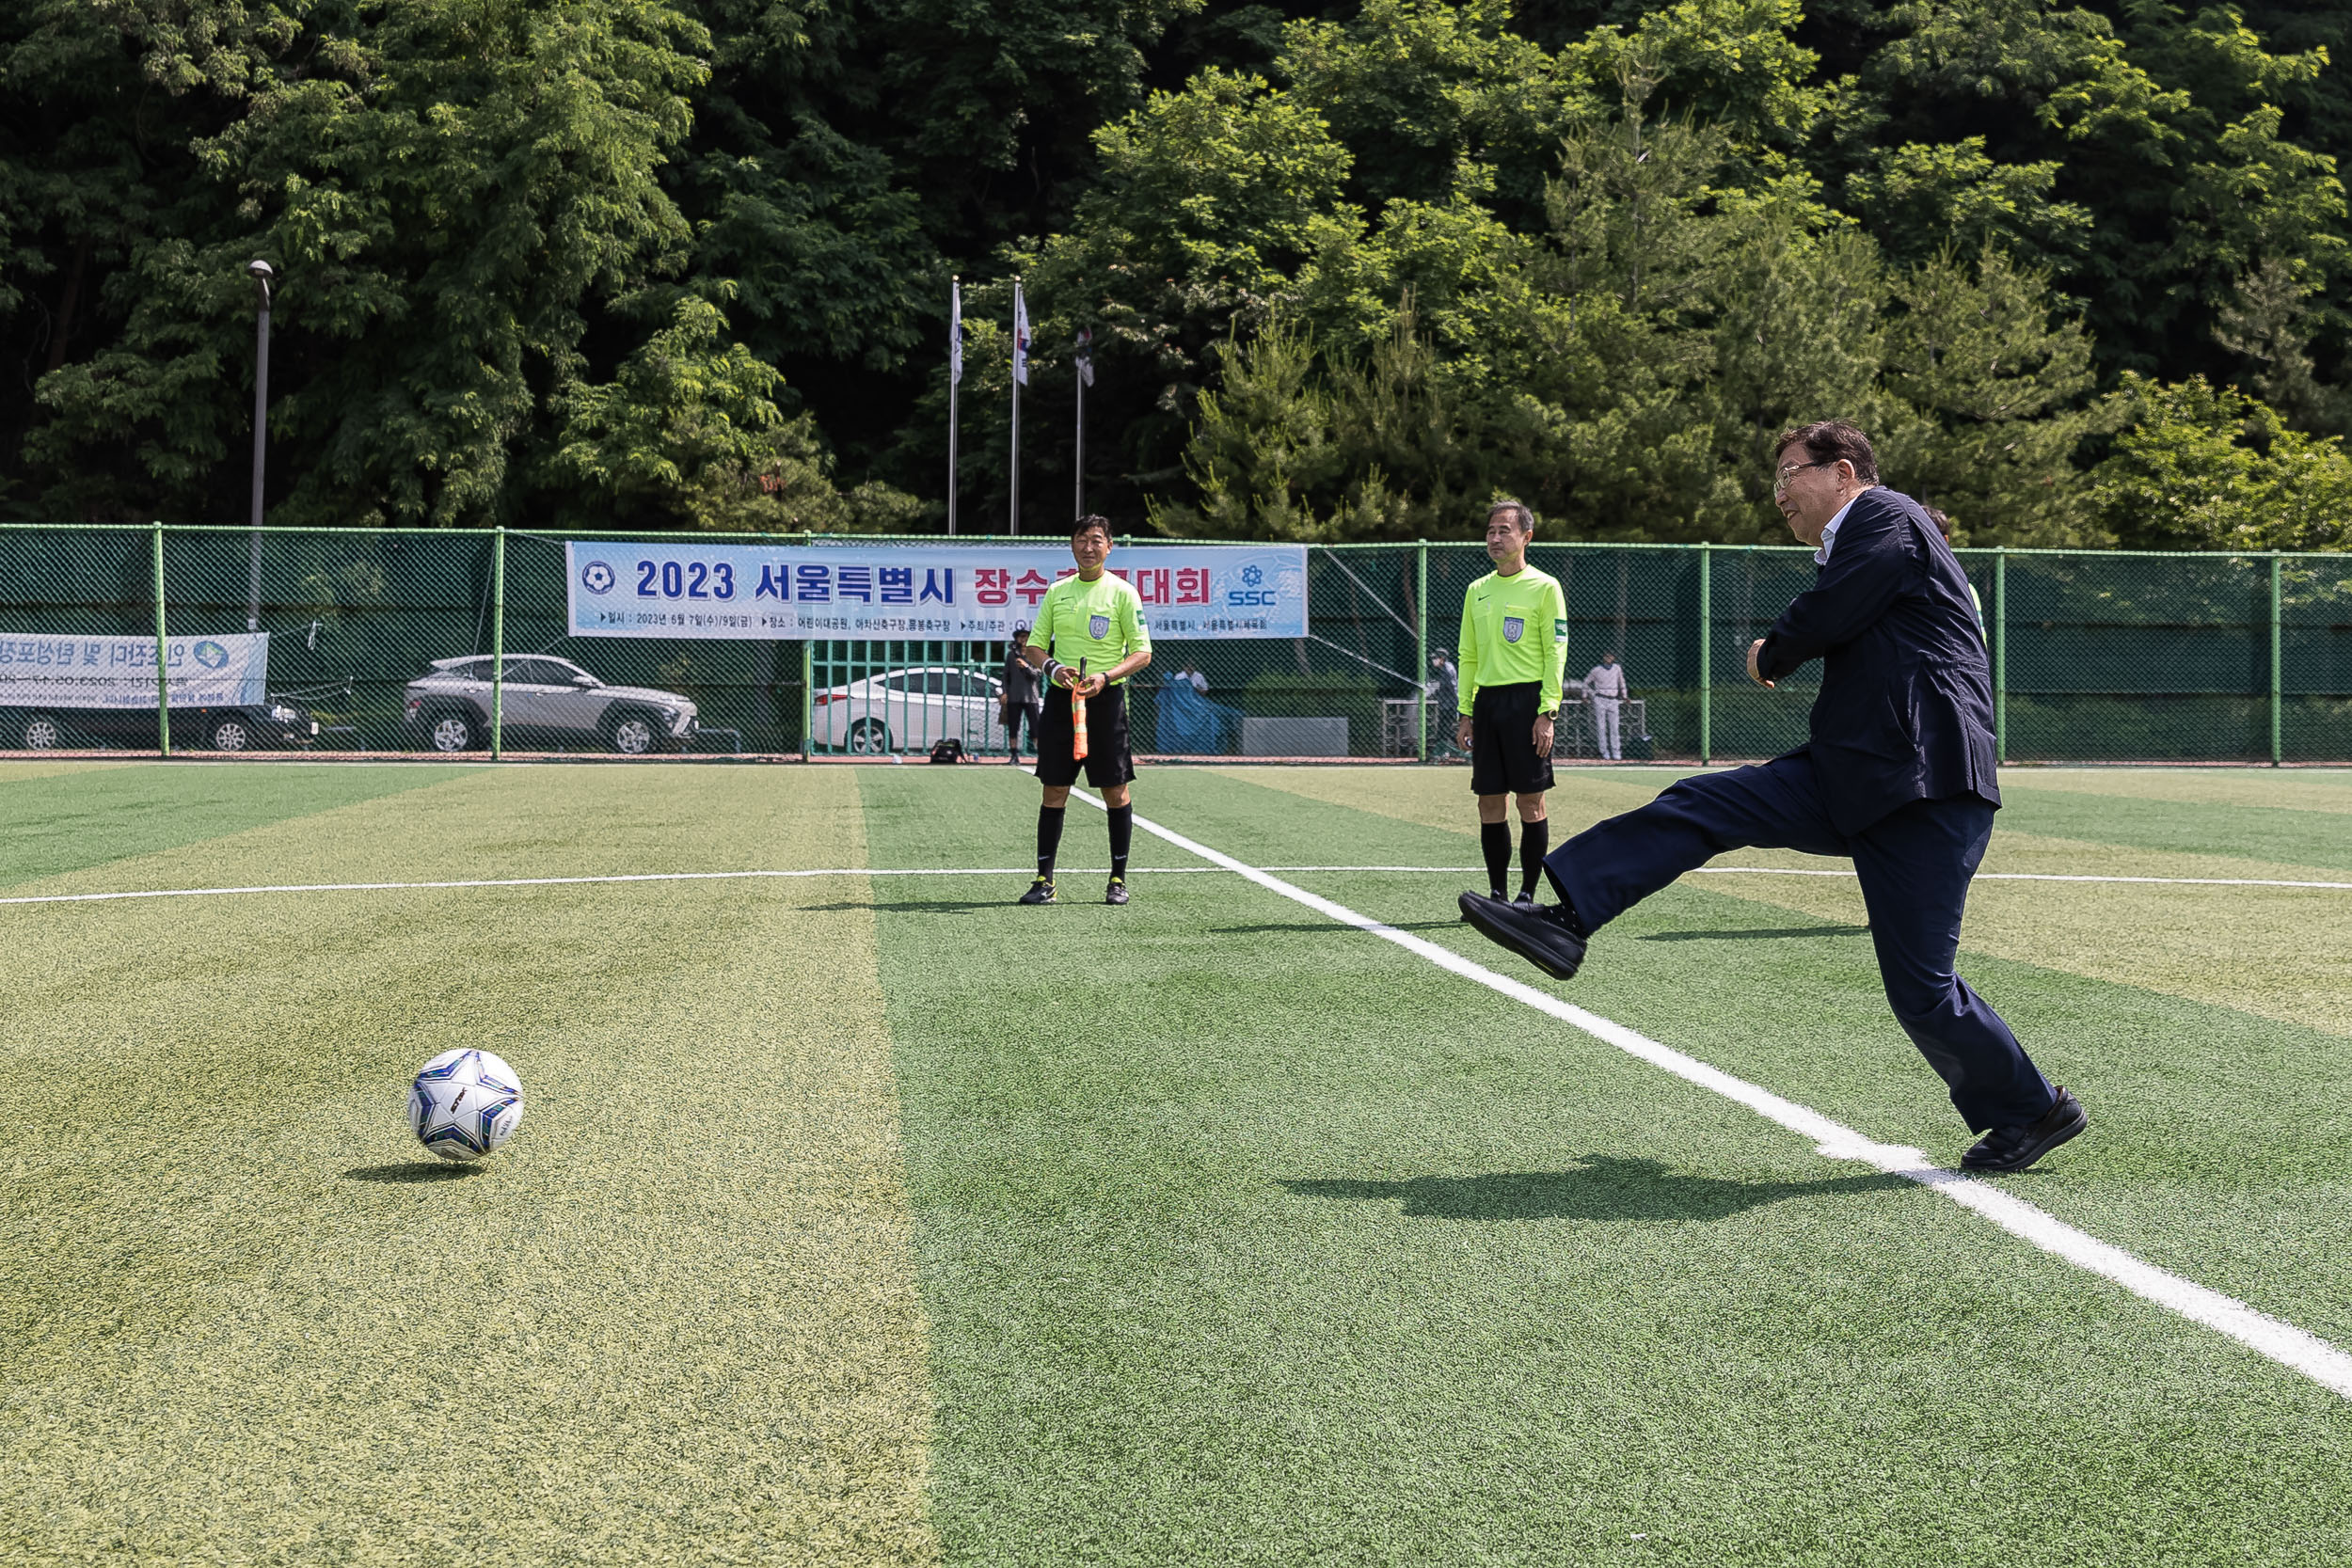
[{"x": 405, "y": 642}]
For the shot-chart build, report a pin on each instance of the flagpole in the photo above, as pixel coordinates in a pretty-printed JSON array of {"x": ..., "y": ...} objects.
[
  {"x": 1080, "y": 466},
  {"x": 1020, "y": 368},
  {"x": 954, "y": 382}
]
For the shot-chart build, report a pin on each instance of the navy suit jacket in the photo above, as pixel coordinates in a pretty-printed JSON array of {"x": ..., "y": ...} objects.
[{"x": 1906, "y": 706}]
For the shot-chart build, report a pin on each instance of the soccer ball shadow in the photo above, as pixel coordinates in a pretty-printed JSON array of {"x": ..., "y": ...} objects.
[{"x": 413, "y": 1170}]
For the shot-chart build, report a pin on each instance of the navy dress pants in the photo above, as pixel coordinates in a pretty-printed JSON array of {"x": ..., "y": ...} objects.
[{"x": 1914, "y": 866}]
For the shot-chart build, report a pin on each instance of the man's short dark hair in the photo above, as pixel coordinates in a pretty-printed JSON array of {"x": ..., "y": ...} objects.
[
  {"x": 1827, "y": 440},
  {"x": 1094, "y": 522},
  {"x": 1521, "y": 518},
  {"x": 1943, "y": 524}
]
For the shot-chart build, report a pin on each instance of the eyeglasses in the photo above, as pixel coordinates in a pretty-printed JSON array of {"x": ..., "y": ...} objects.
[{"x": 1790, "y": 471}]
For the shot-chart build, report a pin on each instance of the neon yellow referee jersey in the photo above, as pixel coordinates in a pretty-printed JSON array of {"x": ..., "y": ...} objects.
[
  {"x": 1514, "y": 630},
  {"x": 1101, "y": 622}
]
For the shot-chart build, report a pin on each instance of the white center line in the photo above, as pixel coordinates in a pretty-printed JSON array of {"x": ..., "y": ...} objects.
[
  {"x": 2282, "y": 1342},
  {"x": 668, "y": 877},
  {"x": 1030, "y": 871}
]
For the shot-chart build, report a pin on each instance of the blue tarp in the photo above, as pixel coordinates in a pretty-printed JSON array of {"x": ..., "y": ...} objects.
[{"x": 1191, "y": 725}]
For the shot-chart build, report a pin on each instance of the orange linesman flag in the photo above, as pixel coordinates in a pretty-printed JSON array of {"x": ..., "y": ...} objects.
[{"x": 1078, "y": 719}]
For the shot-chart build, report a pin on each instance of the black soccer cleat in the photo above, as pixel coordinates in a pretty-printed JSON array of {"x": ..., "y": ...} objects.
[
  {"x": 1546, "y": 935},
  {"x": 1116, "y": 892},
  {"x": 1040, "y": 892},
  {"x": 1526, "y": 898},
  {"x": 2013, "y": 1149}
]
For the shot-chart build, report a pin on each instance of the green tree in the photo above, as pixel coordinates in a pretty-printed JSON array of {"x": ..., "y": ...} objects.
[
  {"x": 1998, "y": 389},
  {"x": 447, "y": 192},
  {"x": 2198, "y": 466},
  {"x": 688, "y": 430}
]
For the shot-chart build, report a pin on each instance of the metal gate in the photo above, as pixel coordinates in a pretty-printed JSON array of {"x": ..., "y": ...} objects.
[{"x": 875, "y": 698}]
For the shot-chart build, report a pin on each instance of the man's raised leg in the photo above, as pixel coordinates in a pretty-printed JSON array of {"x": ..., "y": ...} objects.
[{"x": 1612, "y": 865}]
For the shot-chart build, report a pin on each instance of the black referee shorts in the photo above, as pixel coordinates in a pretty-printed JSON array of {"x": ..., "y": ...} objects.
[
  {"x": 1109, "y": 760},
  {"x": 1502, "y": 740}
]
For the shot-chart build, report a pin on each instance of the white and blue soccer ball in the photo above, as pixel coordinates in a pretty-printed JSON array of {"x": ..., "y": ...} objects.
[{"x": 465, "y": 1103}]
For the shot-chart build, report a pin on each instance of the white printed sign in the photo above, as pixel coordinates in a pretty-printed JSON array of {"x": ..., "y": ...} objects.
[
  {"x": 50, "y": 671},
  {"x": 977, "y": 592}
]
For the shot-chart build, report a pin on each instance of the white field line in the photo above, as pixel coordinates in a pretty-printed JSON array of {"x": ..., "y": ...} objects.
[
  {"x": 2024, "y": 877},
  {"x": 674, "y": 877},
  {"x": 2282, "y": 1342},
  {"x": 1029, "y": 870}
]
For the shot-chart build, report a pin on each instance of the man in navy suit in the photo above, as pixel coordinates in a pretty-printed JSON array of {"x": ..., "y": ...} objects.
[{"x": 1899, "y": 775}]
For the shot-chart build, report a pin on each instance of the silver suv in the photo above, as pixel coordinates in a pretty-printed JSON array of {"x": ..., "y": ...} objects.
[{"x": 546, "y": 700}]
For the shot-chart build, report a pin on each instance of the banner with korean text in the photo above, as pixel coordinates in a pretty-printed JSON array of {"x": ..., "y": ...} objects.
[
  {"x": 55, "y": 670},
  {"x": 683, "y": 589}
]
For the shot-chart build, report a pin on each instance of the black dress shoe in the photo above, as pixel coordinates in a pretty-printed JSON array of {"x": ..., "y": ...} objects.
[
  {"x": 1546, "y": 935},
  {"x": 2008, "y": 1148}
]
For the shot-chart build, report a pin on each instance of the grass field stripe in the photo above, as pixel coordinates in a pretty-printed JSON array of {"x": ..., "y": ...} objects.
[
  {"x": 673, "y": 877},
  {"x": 1028, "y": 871},
  {"x": 2282, "y": 1342},
  {"x": 2030, "y": 877}
]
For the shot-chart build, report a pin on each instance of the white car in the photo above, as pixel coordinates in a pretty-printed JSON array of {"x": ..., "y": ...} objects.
[
  {"x": 551, "y": 701},
  {"x": 908, "y": 710}
]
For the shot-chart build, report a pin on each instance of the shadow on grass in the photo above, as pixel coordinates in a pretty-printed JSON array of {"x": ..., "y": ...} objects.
[
  {"x": 926, "y": 906},
  {"x": 1330, "y": 926},
  {"x": 1758, "y": 934},
  {"x": 412, "y": 1170},
  {"x": 1602, "y": 1188}
]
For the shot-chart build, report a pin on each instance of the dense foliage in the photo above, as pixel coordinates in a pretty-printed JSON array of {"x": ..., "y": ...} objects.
[{"x": 1351, "y": 271}]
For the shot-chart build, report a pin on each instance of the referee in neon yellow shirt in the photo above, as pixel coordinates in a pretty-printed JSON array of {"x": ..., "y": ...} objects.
[
  {"x": 1514, "y": 646},
  {"x": 1098, "y": 619}
]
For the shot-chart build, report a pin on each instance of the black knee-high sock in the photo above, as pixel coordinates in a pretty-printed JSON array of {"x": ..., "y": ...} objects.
[
  {"x": 1122, "y": 837},
  {"x": 1495, "y": 839},
  {"x": 1534, "y": 841},
  {"x": 1049, "y": 819}
]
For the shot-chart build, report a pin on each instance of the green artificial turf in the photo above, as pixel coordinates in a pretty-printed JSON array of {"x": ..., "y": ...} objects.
[
  {"x": 67, "y": 821},
  {"x": 2257, "y": 832},
  {"x": 1247, "y": 1237},
  {"x": 244, "y": 1319},
  {"x": 878, "y": 1220}
]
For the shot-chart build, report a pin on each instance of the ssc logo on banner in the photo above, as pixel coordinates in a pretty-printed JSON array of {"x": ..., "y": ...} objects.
[
  {"x": 1098, "y": 625},
  {"x": 1513, "y": 626},
  {"x": 210, "y": 655},
  {"x": 598, "y": 577}
]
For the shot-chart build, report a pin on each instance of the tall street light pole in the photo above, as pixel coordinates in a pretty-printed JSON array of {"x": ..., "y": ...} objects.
[{"x": 262, "y": 276}]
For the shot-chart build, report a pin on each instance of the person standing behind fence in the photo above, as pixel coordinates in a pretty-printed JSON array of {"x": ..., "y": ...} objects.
[
  {"x": 1444, "y": 693},
  {"x": 1943, "y": 527},
  {"x": 1514, "y": 648},
  {"x": 1604, "y": 687},
  {"x": 1023, "y": 700}
]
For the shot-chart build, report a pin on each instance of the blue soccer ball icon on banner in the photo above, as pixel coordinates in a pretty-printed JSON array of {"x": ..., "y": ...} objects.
[
  {"x": 465, "y": 1103},
  {"x": 597, "y": 576}
]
